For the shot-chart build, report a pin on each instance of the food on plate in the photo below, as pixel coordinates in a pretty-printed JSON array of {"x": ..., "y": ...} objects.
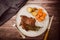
[
  {"x": 40, "y": 12},
  {"x": 37, "y": 13},
  {"x": 40, "y": 15},
  {"x": 34, "y": 13},
  {"x": 29, "y": 9},
  {"x": 34, "y": 9},
  {"x": 28, "y": 23}
]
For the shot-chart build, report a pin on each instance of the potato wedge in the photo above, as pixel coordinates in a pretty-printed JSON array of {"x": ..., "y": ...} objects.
[{"x": 29, "y": 9}]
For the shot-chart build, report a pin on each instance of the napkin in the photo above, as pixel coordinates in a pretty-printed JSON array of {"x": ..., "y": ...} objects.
[
  {"x": 3, "y": 7},
  {"x": 9, "y": 8}
]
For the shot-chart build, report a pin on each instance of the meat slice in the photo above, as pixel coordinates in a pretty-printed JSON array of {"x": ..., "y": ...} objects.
[{"x": 30, "y": 21}]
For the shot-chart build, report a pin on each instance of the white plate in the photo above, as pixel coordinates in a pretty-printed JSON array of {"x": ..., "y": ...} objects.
[{"x": 43, "y": 24}]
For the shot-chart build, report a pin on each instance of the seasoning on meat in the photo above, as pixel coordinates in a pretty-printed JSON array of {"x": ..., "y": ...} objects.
[{"x": 28, "y": 23}]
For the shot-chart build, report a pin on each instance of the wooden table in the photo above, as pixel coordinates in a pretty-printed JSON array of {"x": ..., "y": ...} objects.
[{"x": 8, "y": 32}]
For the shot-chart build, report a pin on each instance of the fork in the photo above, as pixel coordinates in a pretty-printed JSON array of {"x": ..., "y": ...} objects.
[{"x": 22, "y": 35}]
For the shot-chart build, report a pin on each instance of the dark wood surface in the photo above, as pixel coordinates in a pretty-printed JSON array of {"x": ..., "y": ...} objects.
[{"x": 8, "y": 32}]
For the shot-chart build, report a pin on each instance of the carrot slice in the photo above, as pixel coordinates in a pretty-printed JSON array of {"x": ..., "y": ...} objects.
[
  {"x": 39, "y": 20},
  {"x": 44, "y": 15},
  {"x": 40, "y": 15},
  {"x": 42, "y": 18},
  {"x": 40, "y": 12}
]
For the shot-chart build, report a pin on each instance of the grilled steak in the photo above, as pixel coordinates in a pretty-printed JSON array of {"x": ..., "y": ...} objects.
[{"x": 29, "y": 21}]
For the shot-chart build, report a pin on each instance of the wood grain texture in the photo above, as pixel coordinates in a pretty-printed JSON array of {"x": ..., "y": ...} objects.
[{"x": 8, "y": 32}]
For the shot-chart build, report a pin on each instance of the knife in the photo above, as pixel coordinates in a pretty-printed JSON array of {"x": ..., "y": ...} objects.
[{"x": 49, "y": 26}]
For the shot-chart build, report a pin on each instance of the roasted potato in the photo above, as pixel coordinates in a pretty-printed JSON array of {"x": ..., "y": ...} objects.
[
  {"x": 34, "y": 13},
  {"x": 29, "y": 9},
  {"x": 34, "y": 9}
]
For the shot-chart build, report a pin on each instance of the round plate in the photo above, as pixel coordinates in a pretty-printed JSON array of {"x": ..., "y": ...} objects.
[{"x": 43, "y": 24}]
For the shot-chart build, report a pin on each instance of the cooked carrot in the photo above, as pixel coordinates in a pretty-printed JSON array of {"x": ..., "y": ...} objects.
[
  {"x": 44, "y": 14},
  {"x": 39, "y": 20},
  {"x": 40, "y": 15},
  {"x": 37, "y": 16},
  {"x": 40, "y": 12},
  {"x": 42, "y": 18}
]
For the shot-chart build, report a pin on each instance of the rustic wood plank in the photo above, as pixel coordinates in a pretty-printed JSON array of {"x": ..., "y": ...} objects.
[
  {"x": 42, "y": 0},
  {"x": 36, "y": 2}
]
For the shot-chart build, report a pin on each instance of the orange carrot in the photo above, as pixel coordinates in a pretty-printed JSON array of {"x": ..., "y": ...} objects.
[
  {"x": 40, "y": 12},
  {"x": 44, "y": 14},
  {"x": 40, "y": 15}
]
